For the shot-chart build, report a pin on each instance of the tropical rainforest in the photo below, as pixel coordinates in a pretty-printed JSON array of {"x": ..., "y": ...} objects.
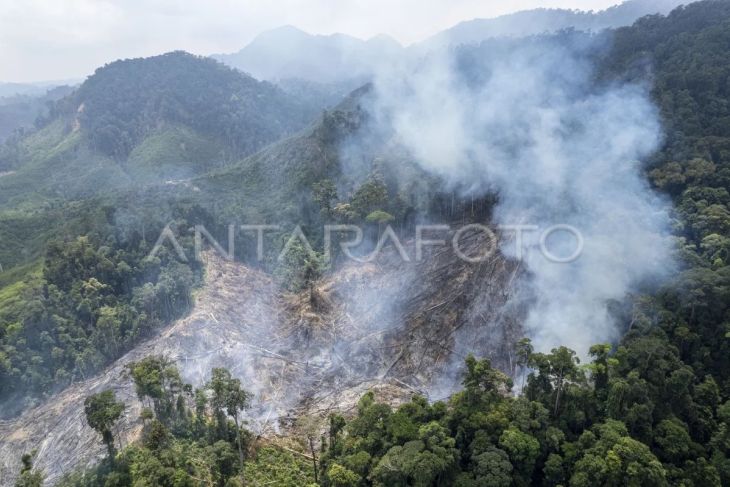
[{"x": 78, "y": 288}]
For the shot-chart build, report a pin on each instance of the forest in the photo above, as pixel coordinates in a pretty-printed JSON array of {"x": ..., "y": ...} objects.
[{"x": 650, "y": 410}]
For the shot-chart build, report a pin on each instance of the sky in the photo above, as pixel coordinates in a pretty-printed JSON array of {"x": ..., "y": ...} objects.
[{"x": 42, "y": 40}]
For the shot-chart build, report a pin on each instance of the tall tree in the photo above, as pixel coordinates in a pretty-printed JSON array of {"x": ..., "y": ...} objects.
[
  {"x": 102, "y": 412},
  {"x": 229, "y": 396}
]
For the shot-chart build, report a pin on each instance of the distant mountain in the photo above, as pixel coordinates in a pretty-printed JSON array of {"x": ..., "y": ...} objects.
[
  {"x": 9, "y": 90},
  {"x": 539, "y": 21},
  {"x": 288, "y": 52},
  {"x": 22, "y": 111}
]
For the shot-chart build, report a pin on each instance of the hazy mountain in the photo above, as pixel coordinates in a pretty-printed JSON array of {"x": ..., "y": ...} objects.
[
  {"x": 288, "y": 52},
  {"x": 538, "y": 21},
  {"x": 32, "y": 89},
  {"x": 22, "y": 111}
]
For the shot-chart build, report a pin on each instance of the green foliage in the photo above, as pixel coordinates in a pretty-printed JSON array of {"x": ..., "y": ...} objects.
[
  {"x": 339, "y": 476},
  {"x": 29, "y": 477},
  {"x": 275, "y": 466},
  {"x": 102, "y": 412},
  {"x": 372, "y": 195},
  {"x": 299, "y": 265},
  {"x": 90, "y": 303},
  {"x": 380, "y": 217},
  {"x": 617, "y": 459},
  {"x": 485, "y": 436},
  {"x": 173, "y": 153},
  {"x": 158, "y": 381},
  {"x": 324, "y": 194},
  {"x": 192, "y": 448},
  {"x": 122, "y": 100}
]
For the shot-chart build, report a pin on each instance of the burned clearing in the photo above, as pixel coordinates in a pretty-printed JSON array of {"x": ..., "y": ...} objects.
[{"x": 378, "y": 326}]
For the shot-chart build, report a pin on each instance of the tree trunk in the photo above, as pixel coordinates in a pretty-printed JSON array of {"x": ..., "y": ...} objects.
[
  {"x": 314, "y": 459},
  {"x": 557, "y": 396},
  {"x": 240, "y": 447}
]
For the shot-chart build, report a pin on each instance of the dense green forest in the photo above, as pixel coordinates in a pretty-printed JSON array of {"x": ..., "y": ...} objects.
[
  {"x": 124, "y": 101},
  {"x": 652, "y": 410}
]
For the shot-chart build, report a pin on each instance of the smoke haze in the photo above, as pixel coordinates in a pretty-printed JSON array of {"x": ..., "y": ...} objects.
[{"x": 527, "y": 121}]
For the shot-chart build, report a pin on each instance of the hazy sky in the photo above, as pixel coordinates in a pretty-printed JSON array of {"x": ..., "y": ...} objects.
[{"x": 62, "y": 39}]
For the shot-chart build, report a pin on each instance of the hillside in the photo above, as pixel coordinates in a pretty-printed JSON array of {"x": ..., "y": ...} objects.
[
  {"x": 311, "y": 352},
  {"x": 124, "y": 101},
  {"x": 132, "y": 110},
  {"x": 137, "y": 123}
]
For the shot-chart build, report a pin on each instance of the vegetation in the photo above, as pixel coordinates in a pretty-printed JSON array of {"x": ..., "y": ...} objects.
[
  {"x": 123, "y": 100},
  {"x": 652, "y": 410},
  {"x": 89, "y": 304},
  {"x": 606, "y": 423},
  {"x": 102, "y": 412},
  {"x": 190, "y": 437}
]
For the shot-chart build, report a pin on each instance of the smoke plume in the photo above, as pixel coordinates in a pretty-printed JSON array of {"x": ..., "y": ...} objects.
[{"x": 527, "y": 120}]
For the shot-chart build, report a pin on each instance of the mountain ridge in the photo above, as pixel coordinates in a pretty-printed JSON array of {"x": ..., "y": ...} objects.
[{"x": 289, "y": 52}]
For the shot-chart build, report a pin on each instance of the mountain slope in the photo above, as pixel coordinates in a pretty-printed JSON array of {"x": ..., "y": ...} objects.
[
  {"x": 540, "y": 21},
  {"x": 124, "y": 101},
  {"x": 140, "y": 122},
  {"x": 380, "y": 324},
  {"x": 316, "y": 351}
]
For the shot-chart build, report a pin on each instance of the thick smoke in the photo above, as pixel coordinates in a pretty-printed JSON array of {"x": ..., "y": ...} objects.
[{"x": 528, "y": 121}]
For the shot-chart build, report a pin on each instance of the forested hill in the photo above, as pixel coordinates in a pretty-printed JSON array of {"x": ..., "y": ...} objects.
[
  {"x": 125, "y": 101},
  {"x": 147, "y": 120}
]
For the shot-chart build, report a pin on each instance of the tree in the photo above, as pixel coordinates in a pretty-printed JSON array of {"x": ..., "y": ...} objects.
[
  {"x": 339, "y": 476},
  {"x": 229, "y": 396},
  {"x": 324, "y": 194},
  {"x": 492, "y": 468},
  {"x": 615, "y": 459},
  {"x": 370, "y": 196},
  {"x": 310, "y": 428},
  {"x": 524, "y": 351},
  {"x": 553, "y": 471},
  {"x": 29, "y": 477},
  {"x": 380, "y": 217},
  {"x": 482, "y": 382},
  {"x": 559, "y": 367},
  {"x": 102, "y": 412},
  {"x": 423, "y": 462},
  {"x": 157, "y": 379},
  {"x": 673, "y": 440},
  {"x": 523, "y": 450},
  {"x": 599, "y": 369},
  {"x": 300, "y": 266}
]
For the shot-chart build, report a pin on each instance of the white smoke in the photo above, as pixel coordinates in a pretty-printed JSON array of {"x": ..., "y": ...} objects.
[{"x": 526, "y": 120}]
